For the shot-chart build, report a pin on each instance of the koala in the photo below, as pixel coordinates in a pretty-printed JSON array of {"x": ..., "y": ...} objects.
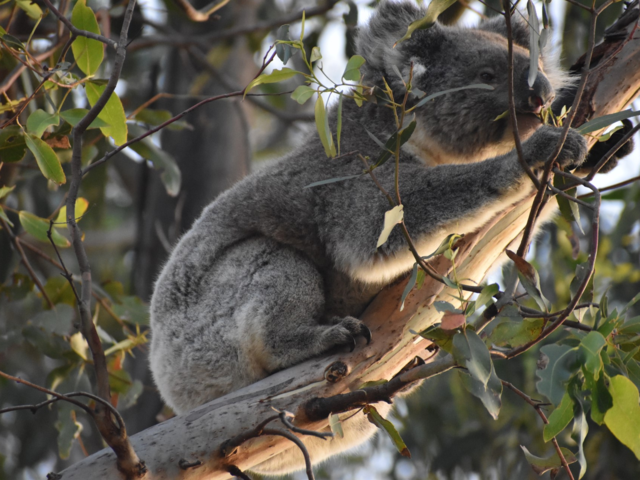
[{"x": 273, "y": 273}]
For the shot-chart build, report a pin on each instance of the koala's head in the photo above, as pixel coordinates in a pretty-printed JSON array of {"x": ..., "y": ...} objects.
[{"x": 459, "y": 126}]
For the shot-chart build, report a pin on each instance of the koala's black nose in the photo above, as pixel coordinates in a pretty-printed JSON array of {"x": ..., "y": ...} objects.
[{"x": 539, "y": 95}]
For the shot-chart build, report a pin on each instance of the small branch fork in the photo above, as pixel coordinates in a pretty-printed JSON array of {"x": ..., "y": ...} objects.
[
  {"x": 537, "y": 407},
  {"x": 229, "y": 446}
]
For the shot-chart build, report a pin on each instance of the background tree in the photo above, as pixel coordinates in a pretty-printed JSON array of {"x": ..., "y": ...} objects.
[{"x": 136, "y": 210}]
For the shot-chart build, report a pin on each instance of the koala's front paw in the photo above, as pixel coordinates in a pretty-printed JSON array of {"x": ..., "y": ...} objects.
[
  {"x": 543, "y": 142},
  {"x": 345, "y": 331}
]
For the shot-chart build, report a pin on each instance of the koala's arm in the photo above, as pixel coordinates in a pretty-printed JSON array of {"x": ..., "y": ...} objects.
[{"x": 437, "y": 201}]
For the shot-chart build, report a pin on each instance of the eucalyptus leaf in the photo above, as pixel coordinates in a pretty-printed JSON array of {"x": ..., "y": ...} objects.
[{"x": 88, "y": 52}]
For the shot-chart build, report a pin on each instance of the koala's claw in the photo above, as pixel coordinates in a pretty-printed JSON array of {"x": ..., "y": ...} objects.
[
  {"x": 366, "y": 333},
  {"x": 543, "y": 143}
]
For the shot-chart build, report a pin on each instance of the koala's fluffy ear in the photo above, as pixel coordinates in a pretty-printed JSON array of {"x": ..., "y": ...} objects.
[
  {"x": 375, "y": 40},
  {"x": 519, "y": 28}
]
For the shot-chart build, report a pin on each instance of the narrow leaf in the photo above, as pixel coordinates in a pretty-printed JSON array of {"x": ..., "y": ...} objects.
[
  {"x": 482, "y": 86},
  {"x": 339, "y": 123},
  {"x": 534, "y": 47},
  {"x": 559, "y": 418},
  {"x": 39, "y": 120},
  {"x": 331, "y": 180},
  {"x": 604, "y": 121},
  {"x": 391, "y": 219},
  {"x": 38, "y": 228},
  {"x": 112, "y": 113},
  {"x": 87, "y": 52},
  {"x": 436, "y": 7},
  {"x": 486, "y": 296},
  {"x": 540, "y": 465},
  {"x": 490, "y": 394},
  {"x": 323, "y": 128},
  {"x": 375, "y": 418},
  {"x": 46, "y": 158},
  {"x": 410, "y": 284},
  {"x": 74, "y": 115},
  {"x": 273, "y": 77}
]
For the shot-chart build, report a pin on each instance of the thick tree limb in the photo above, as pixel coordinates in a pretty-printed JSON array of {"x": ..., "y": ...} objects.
[{"x": 199, "y": 435}]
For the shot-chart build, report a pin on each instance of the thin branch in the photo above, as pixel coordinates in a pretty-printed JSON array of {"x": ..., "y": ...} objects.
[
  {"x": 595, "y": 232},
  {"x": 76, "y": 31},
  {"x": 205, "y": 41},
  {"x": 536, "y": 406},
  {"x": 298, "y": 442},
  {"x": 284, "y": 419},
  {"x": 540, "y": 198},
  {"x": 512, "y": 104},
  {"x": 25, "y": 261},
  {"x": 612, "y": 187},
  {"x": 116, "y": 437},
  {"x": 237, "y": 93},
  {"x": 203, "y": 14}
]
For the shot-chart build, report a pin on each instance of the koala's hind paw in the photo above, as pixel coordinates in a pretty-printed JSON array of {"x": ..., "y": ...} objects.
[{"x": 345, "y": 331}]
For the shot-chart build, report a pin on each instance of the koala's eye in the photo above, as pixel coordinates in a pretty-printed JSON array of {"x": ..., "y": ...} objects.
[{"x": 487, "y": 76}]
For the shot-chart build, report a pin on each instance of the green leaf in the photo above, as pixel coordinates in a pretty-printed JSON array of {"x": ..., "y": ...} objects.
[
  {"x": 163, "y": 162},
  {"x": 604, "y": 121},
  {"x": 283, "y": 50},
  {"x": 315, "y": 55},
  {"x": 273, "y": 77},
  {"x": 3, "y": 216},
  {"x": 74, "y": 115},
  {"x": 559, "y": 418},
  {"x": 390, "y": 146},
  {"x": 442, "y": 306},
  {"x": 436, "y": 7},
  {"x": 4, "y": 191},
  {"x": 486, "y": 296},
  {"x": 410, "y": 284},
  {"x": 529, "y": 279},
  {"x": 68, "y": 428},
  {"x": 302, "y": 93},
  {"x": 81, "y": 207},
  {"x": 470, "y": 352},
  {"x": 336, "y": 426},
  {"x": 132, "y": 309},
  {"x": 580, "y": 430},
  {"x": 516, "y": 333},
  {"x": 428, "y": 98},
  {"x": 339, "y": 122},
  {"x": 590, "y": 347},
  {"x": 12, "y": 144},
  {"x": 12, "y": 42},
  {"x": 31, "y": 9},
  {"x": 541, "y": 465},
  {"x": 490, "y": 394},
  {"x": 442, "y": 338},
  {"x": 623, "y": 419},
  {"x": 375, "y": 418},
  {"x": 534, "y": 46},
  {"x": 87, "y": 52},
  {"x": 39, "y": 120},
  {"x": 568, "y": 209},
  {"x": 38, "y": 228},
  {"x": 601, "y": 400},
  {"x": 331, "y": 180},
  {"x": 112, "y": 113},
  {"x": 322, "y": 125},
  {"x": 352, "y": 70},
  {"x": 130, "y": 398},
  {"x": 47, "y": 159},
  {"x": 59, "y": 291},
  {"x": 158, "y": 117},
  {"x": 561, "y": 364}
]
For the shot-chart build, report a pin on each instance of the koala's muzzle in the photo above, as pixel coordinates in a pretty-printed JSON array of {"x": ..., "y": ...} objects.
[{"x": 541, "y": 94}]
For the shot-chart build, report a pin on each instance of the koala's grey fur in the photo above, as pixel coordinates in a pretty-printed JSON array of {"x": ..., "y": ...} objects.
[{"x": 273, "y": 273}]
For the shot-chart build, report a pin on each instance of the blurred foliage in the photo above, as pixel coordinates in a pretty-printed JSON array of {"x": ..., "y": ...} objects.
[{"x": 448, "y": 431}]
